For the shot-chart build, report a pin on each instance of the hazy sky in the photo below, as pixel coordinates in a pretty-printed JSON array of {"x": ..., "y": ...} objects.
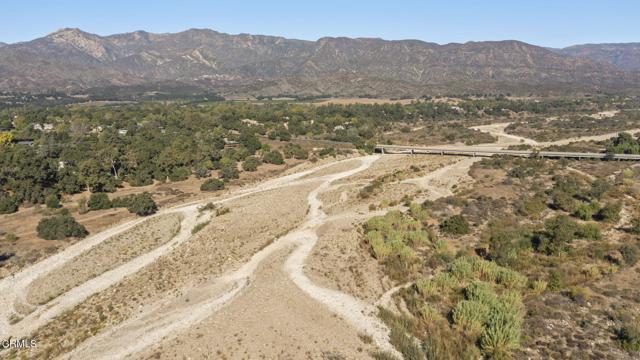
[{"x": 542, "y": 22}]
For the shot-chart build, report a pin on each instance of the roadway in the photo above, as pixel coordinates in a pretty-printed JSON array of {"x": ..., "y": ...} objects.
[{"x": 488, "y": 152}]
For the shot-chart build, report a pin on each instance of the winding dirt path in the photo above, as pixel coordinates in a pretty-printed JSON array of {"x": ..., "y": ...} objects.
[
  {"x": 440, "y": 183},
  {"x": 505, "y": 139},
  {"x": 13, "y": 289},
  {"x": 168, "y": 319}
]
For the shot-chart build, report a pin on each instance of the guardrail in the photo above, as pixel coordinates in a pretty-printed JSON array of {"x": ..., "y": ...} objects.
[{"x": 483, "y": 152}]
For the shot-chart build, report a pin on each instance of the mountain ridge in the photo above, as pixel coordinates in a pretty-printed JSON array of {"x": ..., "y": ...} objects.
[
  {"x": 625, "y": 56},
  {"x": 73, "y": 60}
]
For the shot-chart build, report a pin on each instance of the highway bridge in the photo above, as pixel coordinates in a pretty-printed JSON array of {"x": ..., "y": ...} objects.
[{"x": 488, "y": 152}]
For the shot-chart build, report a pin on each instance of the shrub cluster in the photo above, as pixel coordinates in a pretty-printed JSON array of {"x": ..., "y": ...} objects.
[
  {"x": 99, "y": 201},
  {"x": 273, "y": 157},
  {"x": 8, "y": 204},
  {"x": 394, "y": 237},
  {"x": 52, "y": 201},
  {"x": 492, "y": 310},
  {"x": 560, "y": 231},
  {"x": 295, "y": 151},
  {"x": 60, "y": 227},
  {"x": 212, "y": 185},
  {"x": 251, "y": 163},
  {"x": 455, "y": 225},
  {"x": 139, "y": 204},
  {"x": 610, "y": 213},
  {"x": 629, "y": 333}
]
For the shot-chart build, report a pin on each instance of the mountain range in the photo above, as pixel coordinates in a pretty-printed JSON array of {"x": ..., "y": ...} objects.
[
  {"x": 626, "y": 56},
  {"x": 74, "y": 61}
]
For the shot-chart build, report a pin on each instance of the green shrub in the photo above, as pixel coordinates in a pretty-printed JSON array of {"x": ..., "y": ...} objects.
[
  {"x": 497, "y": 320},
  {"x": 222, "y": 211},
  {"x": 513, "y": 299},
  {"x": 455, "y": 225},
  {"x": 418, "y": 212},
  {"x": 629, "y": 334},
  {"x": 610, "y": 213},
  {"x": 140, "y": 177},
  {"x": 480, "y": 291},
  {"x": 52, "y": 201},
  {"x": 579, "y": 294},
  {"x": 140, "y": 204},
  {"x": 82, "y": 205},
  {"x": 295, "y": 151},
  {"x": 330, "y": 151},
  {"x": 251, "y": 163},
  {"x": 212, "y": 185},
  {"x": 511, "y": 279},
  {"x": 629, "y": 254},
  {"x": 556, "y": 281},
  {"x": 199, "y": 227},
  {"x": 429, "y": 314},
  {"x": 559, "y": 232},
  {"x": 635, "y": 225},
  {"x": 461, "y": 268},
  {"x": 179, "y": 173},
  {"x": 228, "y": 172},
  {"x": 598, "y": 188},
  {"x": 273, "y": 157},
  {"x": 201, "y": 172},
  {"x": 405, "y": 344},
  {"x": 418, "y": 237},
  {"x": 538, "y": 286},
  {"x": 502, "y": 333},
  {"x": 8, "y": 204},
  {"x": 383, "y": 355},
  {"x": 11, "y": 237},
  {"x": 425, "y": 287},
  {"x": 585, "y": 211},
  {"x": 60, "y": 227},
  {"x": 533, "y": 206},
  {"x": 470, "y": 315},
  {"x": 485, "y": 270},
  {"x": 506, "y": 240},
  {"x": 589, "y": 231},
  {"x": 563, "y": 201},
  {"x": 445, "y": 281},
  {"x": 437, "y": 244},
  {"x": 99, "y": 201}
]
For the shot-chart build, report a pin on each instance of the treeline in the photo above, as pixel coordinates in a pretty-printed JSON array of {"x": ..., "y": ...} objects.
[
  {"x": 51, "y": 151},
  {"x": 624, "y": 143}
]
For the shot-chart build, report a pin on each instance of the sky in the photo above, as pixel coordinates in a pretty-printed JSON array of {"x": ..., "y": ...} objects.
[{"x": 553, "y": 23}]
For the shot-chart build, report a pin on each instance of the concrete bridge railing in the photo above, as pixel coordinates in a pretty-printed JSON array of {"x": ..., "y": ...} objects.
[{"x": 471, "y": 151}]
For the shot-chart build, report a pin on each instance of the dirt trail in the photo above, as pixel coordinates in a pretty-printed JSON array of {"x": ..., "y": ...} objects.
[
  {"x": 505, "y": 139},
  {"x": 440, "y": 182},
  {"x": 162, "y": 321},
  {"x": 41, "y": 315},
  {"x": 13, "y": 289}
]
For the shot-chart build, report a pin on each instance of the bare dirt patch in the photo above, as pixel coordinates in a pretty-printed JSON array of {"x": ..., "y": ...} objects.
[
  {"x": 267, "y": 323},
  {"x": 229, "y": 240},
  {"x": 105, "y": 256},
  {"x": 29, "y": 249},
  {"x": 339, "y": 262}
]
